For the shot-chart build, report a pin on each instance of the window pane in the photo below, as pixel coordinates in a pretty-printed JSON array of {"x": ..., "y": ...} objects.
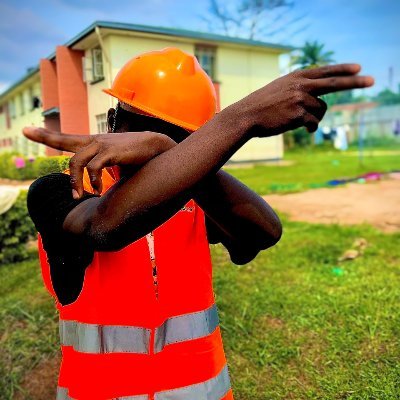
[
  {"x": 101, "y": 121},
  {"x": 97, "y": 64},
  {"x": 206, "y": 58}
]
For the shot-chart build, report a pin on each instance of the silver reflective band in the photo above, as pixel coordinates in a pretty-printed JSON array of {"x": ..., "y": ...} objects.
[
  {"x": 213, "y": 389},
  {"x": 97, "y": 339},
  {"x": 62, "y": 394},
  {"x": 186, "y": 327},
  {"x": 92, "y": 338}
]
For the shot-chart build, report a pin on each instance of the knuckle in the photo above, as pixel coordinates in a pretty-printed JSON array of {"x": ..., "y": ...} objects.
[
  {"x": 93, "y": 167},
  {"x": 333, "y": 82},
  {"x": 73, "y": 180},
  {"x": 301, "y": 112},
  {"x": 299, "y": 98}
]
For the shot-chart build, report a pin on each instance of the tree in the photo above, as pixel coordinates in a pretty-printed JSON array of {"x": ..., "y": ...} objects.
[
  {"x": 312, "y": 55},
  {"x": 253, "y": 19},
  {"x": 387, "y": 97}
]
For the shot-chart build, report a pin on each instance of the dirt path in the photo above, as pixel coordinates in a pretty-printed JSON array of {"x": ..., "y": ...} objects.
[{"x": 377, "y": 204}]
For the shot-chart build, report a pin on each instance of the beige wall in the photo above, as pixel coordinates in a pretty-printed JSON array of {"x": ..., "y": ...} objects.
[
  {"x": 239, "y": 70},
  {"x": 24, "y": 116},
  {"x": 119, "y": 49},
  {"x": 240, "y": 73}
]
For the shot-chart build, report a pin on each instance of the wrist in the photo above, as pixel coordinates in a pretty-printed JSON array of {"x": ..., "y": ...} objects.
[{"x": 238, "y": 121}]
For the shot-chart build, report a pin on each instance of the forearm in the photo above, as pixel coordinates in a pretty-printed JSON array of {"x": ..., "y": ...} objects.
[
  {"x": 245, "y": 218},
  {"x": 140, "y": 203}
]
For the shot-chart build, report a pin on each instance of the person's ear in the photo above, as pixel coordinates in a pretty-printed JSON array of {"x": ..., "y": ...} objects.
[{"x": 110, "y": 119}]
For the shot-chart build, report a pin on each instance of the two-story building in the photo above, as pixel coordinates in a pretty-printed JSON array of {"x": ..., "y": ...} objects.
[{"x": 64, "y": 92}]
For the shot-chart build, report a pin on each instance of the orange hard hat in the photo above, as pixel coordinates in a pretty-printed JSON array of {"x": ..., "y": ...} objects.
[{"x": 168, "y": 84}]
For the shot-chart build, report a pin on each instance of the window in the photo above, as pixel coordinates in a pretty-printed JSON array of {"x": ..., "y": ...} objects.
[
  {"x": 101, "y": 121},
  {"x": 206, "y": 57},
  {"x": 11, "y": 107},
  {"x": 30, "y": 95},
  {"x": 22, "y": 103},
  {"x": 97, "y": 64},
  {"x": 35, "y": 102}
]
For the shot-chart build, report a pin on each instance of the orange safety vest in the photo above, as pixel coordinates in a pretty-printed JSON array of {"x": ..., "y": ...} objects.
[{"x": 122, "y": 339}]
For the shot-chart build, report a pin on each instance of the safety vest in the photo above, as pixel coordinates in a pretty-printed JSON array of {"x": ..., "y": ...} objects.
[{"x": 145, "y": 325}]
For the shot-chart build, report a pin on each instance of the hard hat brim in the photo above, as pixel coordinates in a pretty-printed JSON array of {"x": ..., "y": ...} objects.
[{"x": 155, "y": 113}]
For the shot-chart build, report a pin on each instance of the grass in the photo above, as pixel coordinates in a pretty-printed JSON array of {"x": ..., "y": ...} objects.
[
  {"x": 296, "y": 324},
  {"x": 293, "y": 327},
  {"x": 312, "y": 168},
  {"x": 28, "y": 324}
]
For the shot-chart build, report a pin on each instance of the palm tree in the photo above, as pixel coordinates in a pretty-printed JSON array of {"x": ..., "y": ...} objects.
[{"x": 312, "y": 55}]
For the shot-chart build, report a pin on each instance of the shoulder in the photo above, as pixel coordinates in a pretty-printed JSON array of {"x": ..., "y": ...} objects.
[
  {"x": 50, "y": 199},
  {"x": 48, "y": 186}
]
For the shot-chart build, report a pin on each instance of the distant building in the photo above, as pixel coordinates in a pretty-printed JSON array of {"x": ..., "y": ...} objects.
[
  {"x": 64, "y": 93},
  {"x": 376, "y": 120}
]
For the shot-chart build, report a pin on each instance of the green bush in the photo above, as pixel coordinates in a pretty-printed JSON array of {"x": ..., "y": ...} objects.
[
  {"x": 16, "y": 228},
  {"x": 299, "y": 137},
  {"x": 33, "y": 168}
]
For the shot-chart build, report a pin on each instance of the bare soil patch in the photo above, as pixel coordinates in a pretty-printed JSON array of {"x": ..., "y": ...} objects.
[
  {"x": 377, "y": 204},
  {"x": 40, "y": 383}
]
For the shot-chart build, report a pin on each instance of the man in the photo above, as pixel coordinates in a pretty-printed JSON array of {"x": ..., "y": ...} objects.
[{"x": 129, "y": 263}]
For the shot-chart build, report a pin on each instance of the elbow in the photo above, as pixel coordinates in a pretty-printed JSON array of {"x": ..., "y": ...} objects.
[
  {"x": 274, "y": 235},
  {"x": 243, "y": 256},
  {"x": 246, "y": 251},
  {"x": 269, "y": 236}
]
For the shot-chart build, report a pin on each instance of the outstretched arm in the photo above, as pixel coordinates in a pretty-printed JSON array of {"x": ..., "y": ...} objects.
[{"x": 140, "y": 203}]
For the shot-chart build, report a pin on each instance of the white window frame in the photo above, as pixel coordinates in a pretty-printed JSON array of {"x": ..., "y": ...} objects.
[
  {"x": 206, "y": 56},
  {"x": 22, "y": 103},
  {"x": 101, "y": 123},
  {"x": 97, "y": 64},
  {"x": 11, "y": 109}
]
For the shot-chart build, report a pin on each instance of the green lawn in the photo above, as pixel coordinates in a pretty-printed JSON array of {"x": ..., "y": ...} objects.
[
  {"x": 296, "y": 324},
  {"x": 313, "y": 168},
  {"x": 293, "y": 327}
]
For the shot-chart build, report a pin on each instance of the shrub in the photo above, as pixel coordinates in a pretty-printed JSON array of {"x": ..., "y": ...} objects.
[
  {"x": 299, "y": 137},
  {"x": 15, "y": 166},
  {"x": 16, "y": 228}
]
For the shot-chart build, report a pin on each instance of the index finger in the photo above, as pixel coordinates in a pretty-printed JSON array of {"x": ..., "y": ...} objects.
[
  {"x": 56, "y": 140},
  {"x": 331, "y": 70},
  {"x": 319, "y": 87}
]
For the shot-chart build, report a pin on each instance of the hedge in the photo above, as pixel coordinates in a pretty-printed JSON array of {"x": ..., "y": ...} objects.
[
  {"x": 16, "y": 228},
  {"x": 16, "y": 166}
]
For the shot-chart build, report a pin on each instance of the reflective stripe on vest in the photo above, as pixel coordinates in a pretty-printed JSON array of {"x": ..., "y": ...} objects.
[
  {"x": 186, "y": 327},
  {"x": 213, "y": 389},
  {"x": 93, "y": 338},
  {"x": 62, "y": 394}
]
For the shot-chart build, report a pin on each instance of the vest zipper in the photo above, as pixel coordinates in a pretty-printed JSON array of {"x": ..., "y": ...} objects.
[{"x": 150, "y": 243}]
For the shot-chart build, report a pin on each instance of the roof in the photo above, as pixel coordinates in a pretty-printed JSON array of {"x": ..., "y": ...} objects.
[
  {"x": 211, "y": 37},
  {"x": 354, "y": 106}
]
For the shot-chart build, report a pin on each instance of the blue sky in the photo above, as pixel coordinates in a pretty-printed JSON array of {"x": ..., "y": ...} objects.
[{"x": 363, "y": 31}]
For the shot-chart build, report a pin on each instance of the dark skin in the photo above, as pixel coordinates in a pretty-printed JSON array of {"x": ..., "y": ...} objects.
[{"x": 170, "y": 174}]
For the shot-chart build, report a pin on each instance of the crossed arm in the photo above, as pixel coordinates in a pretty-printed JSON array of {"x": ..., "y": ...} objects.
[{"x": 174, "y": 173}]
